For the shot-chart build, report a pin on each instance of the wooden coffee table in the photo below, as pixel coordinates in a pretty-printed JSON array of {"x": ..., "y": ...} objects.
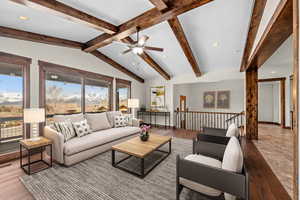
[{"x": 139, "y": 149}]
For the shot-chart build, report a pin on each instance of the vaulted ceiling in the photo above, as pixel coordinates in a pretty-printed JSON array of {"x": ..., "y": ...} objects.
[{"x": 214, "y": 32}]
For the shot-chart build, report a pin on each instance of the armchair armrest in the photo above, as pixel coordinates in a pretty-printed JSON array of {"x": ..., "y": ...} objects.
[
  {"x": 209, "y": 149},
  {"x": 213, "y": 139},
  {"x": 58, "y": 143},
  {"x": 214, "y": 131},
  {"x": 213, "y": 177}
]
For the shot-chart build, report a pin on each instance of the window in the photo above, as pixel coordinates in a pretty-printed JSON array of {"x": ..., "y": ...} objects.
[
  {"x": 14, "y": 96},
  {"x": 63, "y": 94},
  {"x": 123, "y": 93},
  {"x": 66, "y": 90},
  {"x": 97, "y": 96}
]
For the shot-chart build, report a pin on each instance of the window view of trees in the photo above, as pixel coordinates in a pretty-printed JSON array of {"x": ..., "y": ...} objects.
[
  {"x": 63, "y": 96},
  {"x": 96, "y": 96}
]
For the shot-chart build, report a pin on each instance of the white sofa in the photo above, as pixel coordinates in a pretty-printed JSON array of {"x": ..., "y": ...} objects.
[{"x": 81, "y": 148}]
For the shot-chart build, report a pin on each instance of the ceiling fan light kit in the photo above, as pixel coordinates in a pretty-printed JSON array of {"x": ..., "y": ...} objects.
[{"x": 140, "y": 46}]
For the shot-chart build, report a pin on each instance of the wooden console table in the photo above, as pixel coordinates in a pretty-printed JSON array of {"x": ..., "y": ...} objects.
[{"x": 154, "y": 114}]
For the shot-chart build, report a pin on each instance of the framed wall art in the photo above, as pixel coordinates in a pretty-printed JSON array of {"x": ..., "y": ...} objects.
[
  {"x": 223, "y": 99},
  {"x": 157, "y": 96},
  {"x": 209, "y": 99}
]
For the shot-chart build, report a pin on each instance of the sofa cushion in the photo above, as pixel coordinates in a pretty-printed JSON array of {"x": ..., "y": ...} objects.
[
  {"x": 199, "y": 187},
  {"x": 98, "y": 121},
  {"x": 232, "y": 130},
  {"x": 233, "y": 156},
  {"x": 72, "y": 118},
  {"x": 94, "y": 139},
  {"x": 111, "y": 116}
]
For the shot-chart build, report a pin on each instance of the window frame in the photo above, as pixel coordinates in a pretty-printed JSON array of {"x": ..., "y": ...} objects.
[
  {"x": 122, "y": 82},
  {"x": 25, "y": 63},
  {"x": 46, "y": 67}
]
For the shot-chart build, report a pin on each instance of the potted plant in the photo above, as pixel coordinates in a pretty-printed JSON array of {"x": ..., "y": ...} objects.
[{"x": 144, "y": 134}]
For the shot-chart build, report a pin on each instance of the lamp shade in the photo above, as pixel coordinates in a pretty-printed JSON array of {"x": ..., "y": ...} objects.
[
  {"x": 34, "y": 115},
  {"x": 133, "y": 103}
]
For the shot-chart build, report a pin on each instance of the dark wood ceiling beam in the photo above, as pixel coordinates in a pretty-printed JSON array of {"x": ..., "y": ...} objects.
[
  {"x": 278, "y": 30},
  {"x": 117, "y": 65},
  {"x": 145, "y": 20},
  {"x": 257, "y": 13},
  {"x": 159, "y": 4},
  {"x": 179, "y": 33},
  {"x": 69, "y": 13},
  {"x": 149, "y": 60},
  {"x": 34, "y": 37}
]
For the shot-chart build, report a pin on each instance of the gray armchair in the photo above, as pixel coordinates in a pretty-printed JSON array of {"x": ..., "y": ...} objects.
[{"x": 216, "y": 172}]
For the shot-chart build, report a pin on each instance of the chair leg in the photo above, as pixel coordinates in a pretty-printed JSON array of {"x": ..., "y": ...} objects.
[{"x": 178, "y": 191}]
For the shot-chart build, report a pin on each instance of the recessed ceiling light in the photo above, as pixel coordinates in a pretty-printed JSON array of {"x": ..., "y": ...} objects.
[
  {"x": 54, "y": 77},
  {"x": 273, "y": 72},
  {"x": 216, "y": 44},
  {"x": 23, "y": 18}
]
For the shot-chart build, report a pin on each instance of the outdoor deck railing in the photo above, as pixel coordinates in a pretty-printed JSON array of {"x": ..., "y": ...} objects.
[{"x": 11, "y": 128}]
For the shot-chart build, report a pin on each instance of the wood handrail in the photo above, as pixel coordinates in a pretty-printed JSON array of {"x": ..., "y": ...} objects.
[
  {"x": 234, "y": 116},
  {"x": 231, "y": 113}
]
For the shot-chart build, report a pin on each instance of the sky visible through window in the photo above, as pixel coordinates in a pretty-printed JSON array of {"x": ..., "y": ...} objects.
[{"x": 10, "y": 84}]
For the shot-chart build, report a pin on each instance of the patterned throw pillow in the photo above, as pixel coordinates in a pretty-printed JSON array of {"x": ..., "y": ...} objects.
[
  {"x": 82, "y": 128},
  {"x": 129, "y": 118},
  {"x": 66, "y": 129},
  {"x": 120, "y": 121}
]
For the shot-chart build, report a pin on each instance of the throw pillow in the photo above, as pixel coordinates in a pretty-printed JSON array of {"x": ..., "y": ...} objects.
[
  {"x": 66, "y": 129},
  {"x": 82, "y": 128},
  {"x": 98, "y": 121},
  {"x": 129, "y": 119},
  {"x": 120, "y": 121}
]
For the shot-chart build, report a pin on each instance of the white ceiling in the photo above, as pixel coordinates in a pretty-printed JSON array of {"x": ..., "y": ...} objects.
[{"x": 224, "y": 22}]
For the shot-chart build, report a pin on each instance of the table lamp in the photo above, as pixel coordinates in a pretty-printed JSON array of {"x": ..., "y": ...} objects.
[
  {"x": 133, "y": 103},
  {"x": 34, "y": 116}
]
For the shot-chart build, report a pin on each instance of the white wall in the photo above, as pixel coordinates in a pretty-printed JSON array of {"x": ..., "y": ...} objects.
[
  {"x": 172, "y": 91},
  {"x": 194, "y": 93},
  {"x": 64, "y": 56}
]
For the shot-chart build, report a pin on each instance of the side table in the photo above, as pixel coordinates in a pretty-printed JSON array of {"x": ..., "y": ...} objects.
[{"x": 31, "y": 146}]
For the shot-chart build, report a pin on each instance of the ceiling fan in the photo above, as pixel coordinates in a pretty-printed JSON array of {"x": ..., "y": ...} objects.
[{"x": 139, "y": 46}]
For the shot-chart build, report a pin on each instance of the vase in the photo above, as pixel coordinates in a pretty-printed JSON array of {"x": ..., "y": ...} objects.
[{"x": 144, "y": 136}]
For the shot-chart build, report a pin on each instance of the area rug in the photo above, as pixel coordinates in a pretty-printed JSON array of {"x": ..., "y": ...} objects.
[{"x": 97, "y": 179}]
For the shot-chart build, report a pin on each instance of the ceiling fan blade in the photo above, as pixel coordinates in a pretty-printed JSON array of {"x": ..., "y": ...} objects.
[
  {"x": 127, "y": 51},
  {"x": 143, "y": 40},
  {"x": 153, "y": 48}
]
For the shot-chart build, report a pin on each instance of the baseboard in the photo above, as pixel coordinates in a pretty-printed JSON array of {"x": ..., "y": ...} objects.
[
  {"x": 161, "y": 126},
  {"x": 266, "y": 122},
  {"x": 287, "y": 127}
]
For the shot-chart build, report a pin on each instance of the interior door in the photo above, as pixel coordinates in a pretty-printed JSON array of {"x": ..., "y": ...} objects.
[{"x": 182, "y": 107}]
